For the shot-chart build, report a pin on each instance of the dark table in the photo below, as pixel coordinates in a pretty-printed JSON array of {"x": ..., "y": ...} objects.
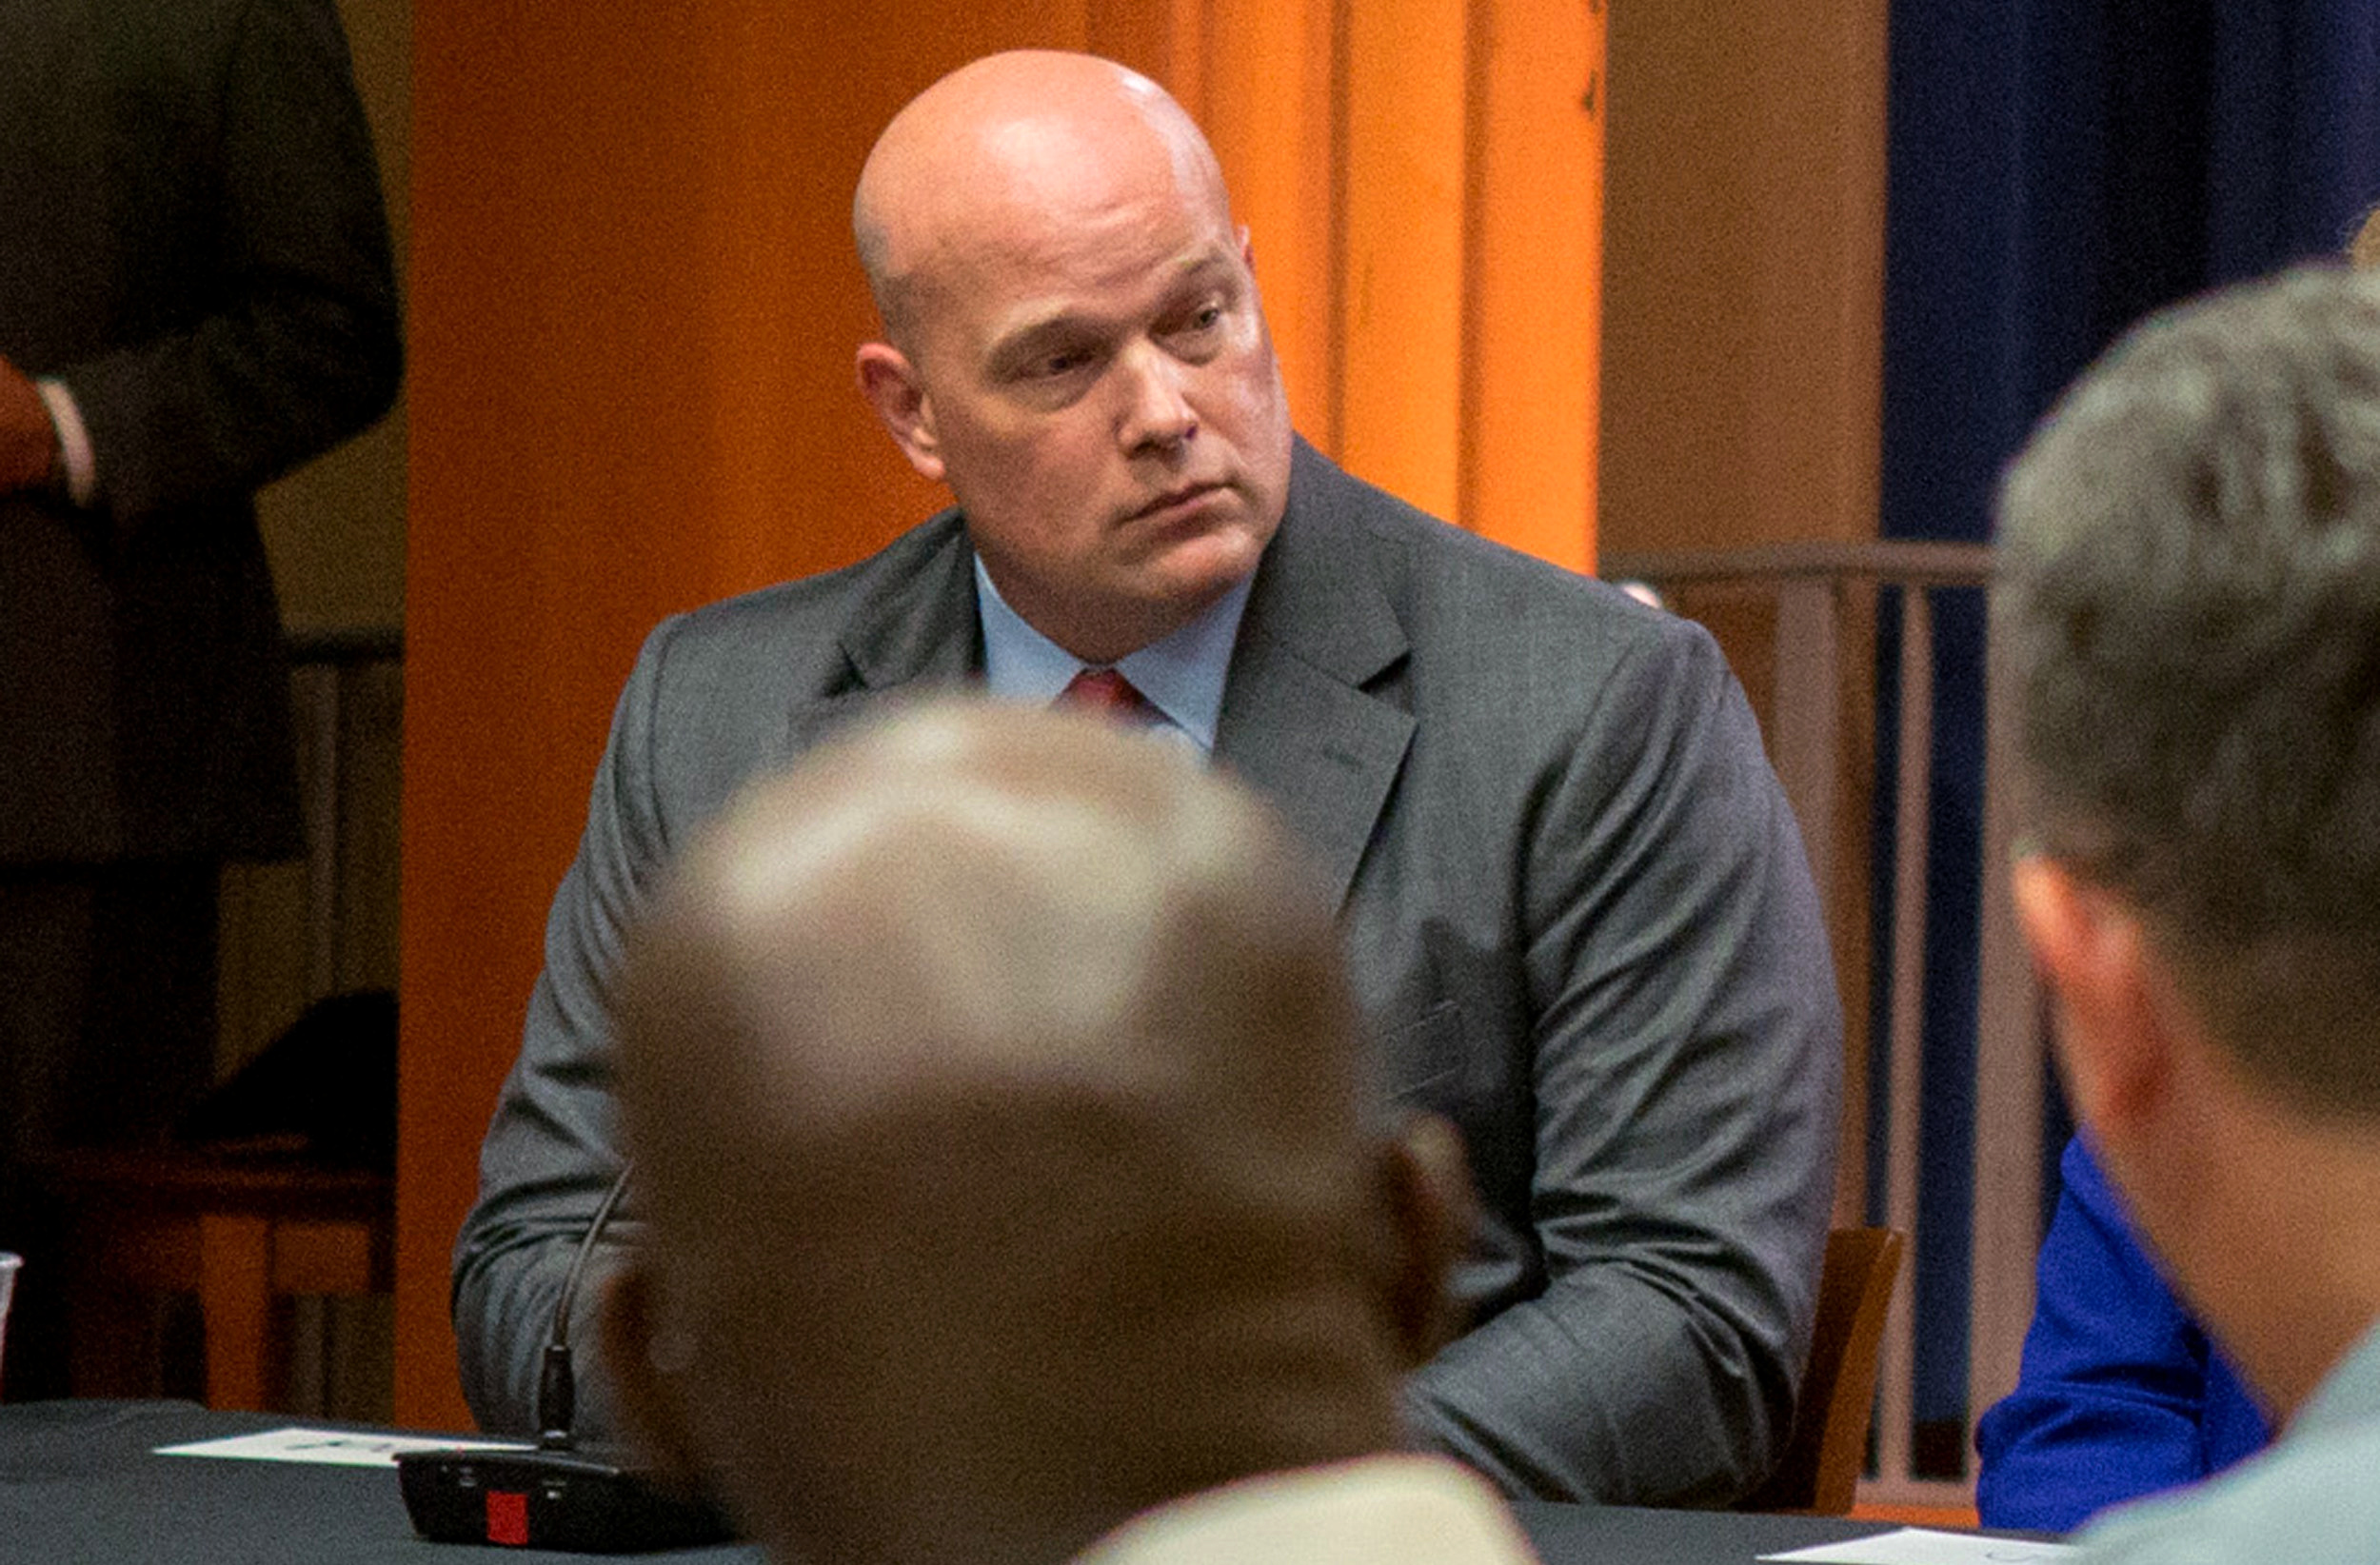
[{"x": 78, "y": 1483}]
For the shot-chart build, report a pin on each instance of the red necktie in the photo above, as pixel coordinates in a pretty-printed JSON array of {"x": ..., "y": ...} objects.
[{"x": 1106, "y": 691}]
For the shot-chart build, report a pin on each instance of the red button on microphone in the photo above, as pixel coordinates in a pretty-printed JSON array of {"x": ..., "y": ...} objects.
[{"x": 507, "y": 1518}]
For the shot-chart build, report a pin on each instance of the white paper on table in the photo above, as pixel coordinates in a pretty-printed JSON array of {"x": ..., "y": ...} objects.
[
  {"x": 1923, "y": 1546},
  {"x": 333, "y": 1447}
]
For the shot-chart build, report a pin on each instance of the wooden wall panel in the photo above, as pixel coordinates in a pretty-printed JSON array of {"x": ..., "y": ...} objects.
[{"x": 1743, "y": 273}]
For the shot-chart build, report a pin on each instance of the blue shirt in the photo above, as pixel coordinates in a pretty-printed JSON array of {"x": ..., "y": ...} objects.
[
  {"x": 2120, "y": 1394},
  {"x": 1181, "y": 676}
]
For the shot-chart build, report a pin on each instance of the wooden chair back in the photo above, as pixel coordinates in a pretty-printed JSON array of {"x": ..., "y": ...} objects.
[{"x": 1820, "y": 1469}]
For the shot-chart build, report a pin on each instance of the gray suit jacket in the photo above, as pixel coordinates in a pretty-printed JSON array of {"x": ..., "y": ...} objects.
[
  {"x": 191, "y": 238},
  {"x": 1577, "y": 910}
]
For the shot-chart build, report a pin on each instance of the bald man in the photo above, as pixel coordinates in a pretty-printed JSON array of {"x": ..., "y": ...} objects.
[
  {"x": 1574, "y": 909},
  {"x": 2186, "y": 611},
  {"x": 1019, "y": 1050}
]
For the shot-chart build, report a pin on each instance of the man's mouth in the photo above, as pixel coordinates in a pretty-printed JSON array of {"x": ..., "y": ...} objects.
[{"x": 1181, "y": 496}]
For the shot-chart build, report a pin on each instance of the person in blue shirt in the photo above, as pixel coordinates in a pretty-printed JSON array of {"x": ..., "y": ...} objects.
[{"x": 2120, "y": 1394}]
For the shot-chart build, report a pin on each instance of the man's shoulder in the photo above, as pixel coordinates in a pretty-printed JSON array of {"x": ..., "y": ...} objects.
[
  {"x": 749, "y": 680},
  {"x": 1456, "y": 594},
  {"x": 147, "y": 57},
  {"x": 1391, "y": 1506},
  {"x": 781, "y": 620},
  {"x": 1330, "y": 500},
  {"x": 2308, "y": 1500}
]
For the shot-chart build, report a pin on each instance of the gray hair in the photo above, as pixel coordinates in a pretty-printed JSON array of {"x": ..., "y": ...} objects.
[{"x": 2188, "y": 619}]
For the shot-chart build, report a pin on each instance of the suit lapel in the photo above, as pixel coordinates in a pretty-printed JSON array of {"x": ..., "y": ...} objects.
[
  {"x": 1301, "y": 720},
  {"x": 912, "y": 628}
]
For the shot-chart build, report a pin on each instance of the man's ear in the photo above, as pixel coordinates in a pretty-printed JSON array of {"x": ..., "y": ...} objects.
[
  {"x": 1426, "y": 1188},
  {"x": 646, "y": 1361},
  {"x": 2092, "y": 951},
  {"x": 890, "y": 384}
]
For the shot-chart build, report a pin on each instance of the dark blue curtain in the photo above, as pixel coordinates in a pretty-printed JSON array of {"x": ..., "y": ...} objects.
[{"x": 2057, "y": 168}]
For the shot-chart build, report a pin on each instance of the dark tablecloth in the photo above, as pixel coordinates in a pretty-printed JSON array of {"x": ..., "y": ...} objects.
[{"x": 78, "y": 1483}]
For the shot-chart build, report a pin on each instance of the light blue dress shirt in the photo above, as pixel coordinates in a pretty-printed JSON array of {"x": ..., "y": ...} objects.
[
  {"x": 1181, "y": 676},
  {"x": 2308, "y": 1500}
]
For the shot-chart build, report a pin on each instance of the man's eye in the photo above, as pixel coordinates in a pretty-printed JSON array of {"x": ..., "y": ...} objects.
[
  {"x": 1195, "y": 330},
  {"x": 1054, "y": 366}
]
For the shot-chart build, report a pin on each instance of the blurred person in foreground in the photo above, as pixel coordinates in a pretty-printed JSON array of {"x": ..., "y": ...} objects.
[
  {"x": 2121, "y": 1393},
  {"x": 2187, "y": 615},
  {"x": 1575, "y": 907},
  {"x": 992, "y": 1080}
]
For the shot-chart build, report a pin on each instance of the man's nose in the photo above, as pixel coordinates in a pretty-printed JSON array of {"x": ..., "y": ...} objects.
[{"x": 1156, "y": 412}]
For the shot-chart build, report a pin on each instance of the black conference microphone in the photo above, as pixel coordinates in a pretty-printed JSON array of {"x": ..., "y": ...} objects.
[{"x": 592, "y": 1500}]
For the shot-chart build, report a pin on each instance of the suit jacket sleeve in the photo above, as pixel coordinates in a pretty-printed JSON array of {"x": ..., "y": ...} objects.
[
  {"x": 717, "y": 694},
  {"x": 2120, "y": 1394},
  {"x": 1684, "y": 1067},
  {"x": 553, "y": 1147},
  {"x": 291, "y": 342}
]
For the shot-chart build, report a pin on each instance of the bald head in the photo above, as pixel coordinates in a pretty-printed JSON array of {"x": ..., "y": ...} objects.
[
  {"x": 1024, "y": 136},
  {"x": 1005, "y": 894},
  {"x": 992, "y": 1080}
]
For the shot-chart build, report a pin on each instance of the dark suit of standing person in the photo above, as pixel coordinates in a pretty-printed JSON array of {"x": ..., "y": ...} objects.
[
  {"x": 1575, "y": 908},
  {"x": 195, "y": 295}
]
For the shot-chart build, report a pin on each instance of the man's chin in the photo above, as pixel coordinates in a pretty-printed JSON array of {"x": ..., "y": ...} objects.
[
  {"x": 1197, "y": 579},
  {"x": 1209, "y": 560},
  {"x": 1163, "y": 605}
]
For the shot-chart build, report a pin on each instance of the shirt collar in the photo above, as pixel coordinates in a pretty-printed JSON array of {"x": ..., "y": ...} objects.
[
  {"x": 2349, "y": 1391},
  {"x": 1181, "y": 676},
  {"x": 1402, "y": 1507}
]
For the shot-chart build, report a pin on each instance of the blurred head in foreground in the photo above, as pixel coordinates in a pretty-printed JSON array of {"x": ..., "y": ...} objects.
[
  {"x": 993, "y": 1086},
  {"x": 2187, "y": 616}
]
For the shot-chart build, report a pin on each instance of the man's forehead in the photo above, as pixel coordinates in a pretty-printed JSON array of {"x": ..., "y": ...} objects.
[{"x": 1038, "y": 313}]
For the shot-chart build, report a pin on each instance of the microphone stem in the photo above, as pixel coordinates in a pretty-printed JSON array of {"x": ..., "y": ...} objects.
[{"x": 557, "y": 1380}]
